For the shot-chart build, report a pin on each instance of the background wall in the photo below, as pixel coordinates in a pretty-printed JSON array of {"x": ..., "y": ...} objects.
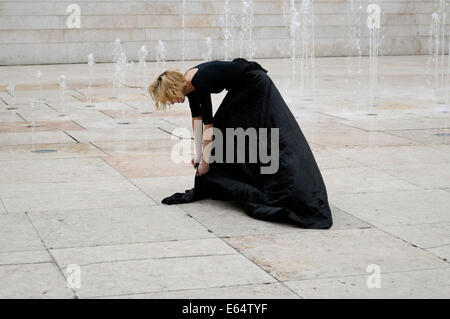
[{"x": 35, "y": 32}]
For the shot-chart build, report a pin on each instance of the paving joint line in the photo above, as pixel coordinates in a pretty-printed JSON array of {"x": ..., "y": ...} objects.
[
  {"x": 130, "y": 181},
  {"x": 78, "y": 142},
  {"x": 51, "y": 256},
  {"x": 240, "y": 253}
]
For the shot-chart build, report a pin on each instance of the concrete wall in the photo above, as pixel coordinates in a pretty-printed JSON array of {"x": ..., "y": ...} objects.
[{"x": 35, "y": 32}]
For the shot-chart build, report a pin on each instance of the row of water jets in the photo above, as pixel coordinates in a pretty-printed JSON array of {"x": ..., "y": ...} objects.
[
  {"x": 299, "y": 16},
  {"x": 62, "y": 84},
  {"x": 121, "y": 66},
  {"x": 439, "y": 64}
]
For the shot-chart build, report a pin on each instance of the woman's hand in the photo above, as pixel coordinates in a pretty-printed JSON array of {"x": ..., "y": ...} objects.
[{"x": 203, "y": 168}]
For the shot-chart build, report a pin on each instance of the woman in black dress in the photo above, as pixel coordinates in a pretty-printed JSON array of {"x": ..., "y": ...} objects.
[{"x": 294, "y": 191}]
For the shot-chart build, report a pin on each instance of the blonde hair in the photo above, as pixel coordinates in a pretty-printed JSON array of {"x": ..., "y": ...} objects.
[{"x": 168, "y": 86}]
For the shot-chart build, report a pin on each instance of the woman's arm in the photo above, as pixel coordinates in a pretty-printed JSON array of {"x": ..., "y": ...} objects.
[
  {"x": 197, "y": 128},
  {"x": 203, "y": 167},
  {"x": 207, "y": 139}
]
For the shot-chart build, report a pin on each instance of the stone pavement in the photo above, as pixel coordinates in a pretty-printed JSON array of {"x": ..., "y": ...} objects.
[{"x": 80, "y": 194}]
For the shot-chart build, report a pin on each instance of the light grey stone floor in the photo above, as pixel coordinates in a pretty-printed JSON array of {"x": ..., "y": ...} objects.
[{"x": 80, "y": 195}]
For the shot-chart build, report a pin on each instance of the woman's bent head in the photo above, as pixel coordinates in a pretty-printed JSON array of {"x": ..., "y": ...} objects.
[{"x": 168, "y": 88}]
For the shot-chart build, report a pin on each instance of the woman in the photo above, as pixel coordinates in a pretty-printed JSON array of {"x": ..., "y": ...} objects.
[{"x": 294, "y": 191}]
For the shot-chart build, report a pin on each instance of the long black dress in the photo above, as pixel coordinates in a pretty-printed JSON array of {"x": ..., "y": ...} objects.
[{"x": 295, "y": 192}]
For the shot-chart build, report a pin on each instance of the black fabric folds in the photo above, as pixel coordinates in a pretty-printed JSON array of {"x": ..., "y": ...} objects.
[{"x": 296, "y": 192}]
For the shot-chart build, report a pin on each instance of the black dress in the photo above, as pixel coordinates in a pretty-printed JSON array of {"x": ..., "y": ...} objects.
[{"x": 294, "y": 193}]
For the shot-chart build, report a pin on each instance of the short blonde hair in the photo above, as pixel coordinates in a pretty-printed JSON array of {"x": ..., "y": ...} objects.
[{"x": 168, "y": 86}]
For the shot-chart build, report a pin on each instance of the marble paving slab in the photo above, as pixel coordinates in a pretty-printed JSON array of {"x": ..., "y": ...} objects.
[
  {"x": 328, "y": 253},
  {"x": 17, "y": 234},
  {"x": 137, "y": 114},
  {"x": 9, "y": 116},
  {"x": 155, "y": 165},
  {"x": 13, "y": 127},
  {"x": 33, "y": 281},
  {"x": 128, "y": 225},
  {"x": 386, "y": 156},
  {"x": 179, "y": 121},
  {"x": 125, "y": 96},
  {"x": 176, "y": 247},
  {"x": 77, "y": 106},
  {"x": 442, "y": 252},
  {"x": 116, "y": 135},
  {"x": 160, "y": 187},
  {"x": 363, "y": 179},
  {"x": 146, "y": 147},
  {"x": 396, "y": 208},
  {"x": 24, "y": 152},
  {"x": 381, "y": 114},
  {"x": 331, "y": 158},
  {"x": 226, "y": 219},
  {"x": 426, "y": 175},
  {"x": 33, "y": 137},
  {"x": 443, "y": 149},
  {"x": 399, "y": 124},
  {"x": 423, "y": 235},
  {"x": 28, "y": 96},
  {"x": 421, "y": 284},
  {"x": 25, "y": 257},
  {"x": 87, "y": 115},
  {"x": 427, "y": 137},
  {"x": 72, "y": 196},
  {"x": 120, "y": 123},
  {"x": 256, "y": 291},
  {"x": 119, "y": 278},
  {"x": 356, "y": 139},
  {"x": 66, "y": 170}
]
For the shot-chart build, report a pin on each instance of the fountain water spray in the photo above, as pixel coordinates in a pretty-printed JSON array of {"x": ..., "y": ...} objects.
[
  {"x": 307, "y": 45},
  {"x": 353, "y": 46},
  {"x": 443, "y": 14},
  {"x": 12, "y": 91},
  {"x": 291, "y": 18},
  {"x": 160, "y": 56},
  {"x": 225, "y": 22},
  {"x": 91, "y": 62},
  {"x": 120, "y": 60},
  {"x": 117, "y": 51},
  {"x": 207, "y": 49},
  {"x": 143, "y": 53},
  {"x": 246, "y": 33},
  {"x": 436, "y": 47},
  {"x": 447, "y": 88},
  {"x": 62, "y": 92},
  {"x": 121, "y": 70},
  {"x": 373, "y": 23},
  {"x": 294, "y": 25},
  {"x": 39, "y": 78},
  {"x": 183, "y": 31},
  {"x": 434, "y": 42},
  {"x": 32, "y": 125}
]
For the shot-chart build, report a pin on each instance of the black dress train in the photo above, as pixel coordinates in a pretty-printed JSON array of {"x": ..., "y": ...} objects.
[{"x": 296, "y": 192}]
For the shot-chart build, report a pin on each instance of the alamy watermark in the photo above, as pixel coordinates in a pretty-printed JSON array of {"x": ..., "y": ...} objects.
[
  {"x": 74, "y": 19},
  {"x": 374, "y": 17},
  {"x": 73, "y": 280},
  {"x": 258, "y": 146},
  {"x": 374, "y": 279}
]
